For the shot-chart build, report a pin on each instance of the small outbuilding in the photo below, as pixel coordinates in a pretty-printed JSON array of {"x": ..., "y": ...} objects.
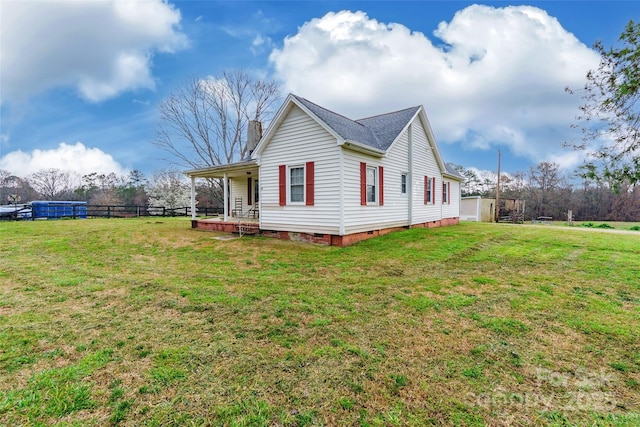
[{"x": 483, "y": 209}]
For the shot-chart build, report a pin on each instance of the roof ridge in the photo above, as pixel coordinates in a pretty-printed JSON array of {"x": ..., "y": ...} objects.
[
  {"x": 326, "y": 109},
  {"x": 386, "y": 114},
  {"x": 377, "y": 131}
]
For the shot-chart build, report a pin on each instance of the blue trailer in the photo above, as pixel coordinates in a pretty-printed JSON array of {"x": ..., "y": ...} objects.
[{"x": 45, "y": 209}]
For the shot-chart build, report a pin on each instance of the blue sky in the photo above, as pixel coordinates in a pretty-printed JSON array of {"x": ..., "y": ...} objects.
[{"x": 80, "y": 81}]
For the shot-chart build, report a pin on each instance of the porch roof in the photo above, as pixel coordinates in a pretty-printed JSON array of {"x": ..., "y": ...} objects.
[{"x": 231, "y": 169}]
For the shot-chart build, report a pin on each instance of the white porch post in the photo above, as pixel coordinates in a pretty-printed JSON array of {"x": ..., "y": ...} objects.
[
  {"x": 193, "y": 197},
  {"x": 226, "y": 196}
]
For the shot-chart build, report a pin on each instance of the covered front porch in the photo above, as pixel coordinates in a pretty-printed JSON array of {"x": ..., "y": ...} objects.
[{"x": 241, "y": 195}]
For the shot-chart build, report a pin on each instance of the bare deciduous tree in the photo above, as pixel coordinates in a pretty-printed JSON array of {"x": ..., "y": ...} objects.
[
  {"x": 53, "y": 184},
  {"x": 203, "y": 123},
  {"x": 625, "y": 205},
  {"x": 12, "y": 184},
  {"x": 545, "y": 182}
]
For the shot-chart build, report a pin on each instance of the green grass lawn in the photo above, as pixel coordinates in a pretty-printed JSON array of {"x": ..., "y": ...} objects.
[
  {"x": 632, "y": 226},
  {"x": 148, "y": 322}
]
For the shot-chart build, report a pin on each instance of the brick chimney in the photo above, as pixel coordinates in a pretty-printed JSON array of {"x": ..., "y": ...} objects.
[{"x": 254, "y": 133}]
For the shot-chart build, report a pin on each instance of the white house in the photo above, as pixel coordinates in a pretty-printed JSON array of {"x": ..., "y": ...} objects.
[{"x": 318, "y": 176}]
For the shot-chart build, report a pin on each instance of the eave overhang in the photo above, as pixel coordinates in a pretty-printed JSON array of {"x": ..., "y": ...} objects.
[
  {"x": 452, "y": 176},
  {"x": 361, "y": 148},
  {"x": 220, "y": 170}
]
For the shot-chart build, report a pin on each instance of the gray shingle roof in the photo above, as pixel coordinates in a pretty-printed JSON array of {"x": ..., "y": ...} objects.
[
  {"x": 377, "y": 131},
  {"x": 452, "y": 171}
]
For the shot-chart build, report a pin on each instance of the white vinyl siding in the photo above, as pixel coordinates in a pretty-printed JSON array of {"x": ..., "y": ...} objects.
[
  {"x": 424, "y": 164},
  {"x": 298, "y": 140},
  {"x": 337, "y": 182},
  {"x": 394, "y": 212},
  {"x": 452, "y": 209},
  {"x": 238, "y": 191}
]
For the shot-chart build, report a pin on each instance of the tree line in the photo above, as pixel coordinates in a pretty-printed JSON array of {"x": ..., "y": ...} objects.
[
  {"x": 547, "y": 191},
  {"x": 166, "y": 188}
]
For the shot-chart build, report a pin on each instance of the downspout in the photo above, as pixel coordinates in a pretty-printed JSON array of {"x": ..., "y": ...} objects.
[
  {"x": 193, "y": 197},
  {"x": 410, "y": 177},
  {"x": 341, "y": 192},
  {"x": 478, "y": 209},
  {"x": 225, "y": 197}
]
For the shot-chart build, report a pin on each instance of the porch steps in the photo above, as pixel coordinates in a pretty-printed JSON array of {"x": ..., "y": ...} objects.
[{"x": 247, "y": 230}]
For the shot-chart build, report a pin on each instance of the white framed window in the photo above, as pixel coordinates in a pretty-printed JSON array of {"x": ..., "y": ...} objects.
[
  {"x": 403, "y": 183},
  {"x": 429, "y": 186},
  {"x": 445, "y": 192},
  {"x": 372, "y": 173},
  {"x": 371, "y": 185},
  {"x": 296, "y": 184}
]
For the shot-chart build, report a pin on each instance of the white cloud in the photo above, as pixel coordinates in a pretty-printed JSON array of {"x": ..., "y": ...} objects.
[
  {"x": 68, "y": 157},
  {"x": 257, "y": 41},
  {"x": 254, "y": 29},
  {"x": 101, "y": 47},
  {"x": 260, "y": 44},
  {"x": 496, "y": 77}
]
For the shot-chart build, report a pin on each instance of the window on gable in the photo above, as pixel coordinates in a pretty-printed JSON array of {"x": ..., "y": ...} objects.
[
  {"x": 296, "y": 184},
  {"x": 371, "y": 184},
  {"x": 403, "y": 183}
]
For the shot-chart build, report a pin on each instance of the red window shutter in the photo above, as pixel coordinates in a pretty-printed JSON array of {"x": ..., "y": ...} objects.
[
  {"x": 282, "y": 184},
  {"x": 249, "y": 192},
  {"x": 310, "y": 183},
  {"x": 381, "y": 184},
  {"x": 427, "y": 183},
  {"x": 363, "y": 184}
]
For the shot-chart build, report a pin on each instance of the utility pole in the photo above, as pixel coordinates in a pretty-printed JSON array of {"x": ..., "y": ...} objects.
[{"x": 498, "y": 191}]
